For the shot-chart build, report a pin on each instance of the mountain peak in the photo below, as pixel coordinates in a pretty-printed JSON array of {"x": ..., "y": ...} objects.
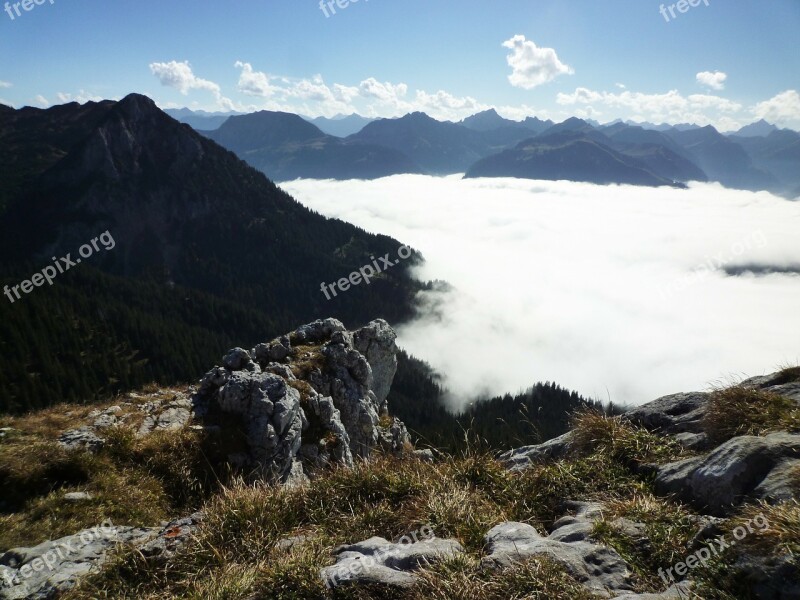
[{"x": 760, "y": 128}]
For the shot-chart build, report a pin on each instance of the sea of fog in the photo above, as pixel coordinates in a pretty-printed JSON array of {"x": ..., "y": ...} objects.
[{"x": 618, "y": 292}]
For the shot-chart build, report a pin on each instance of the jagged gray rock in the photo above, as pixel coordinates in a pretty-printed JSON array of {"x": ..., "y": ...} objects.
[
  {"x": 332, "y": 415},
  {"x": 745, "y": 466},
  {"x": 599, "y": 568},
  {"x": 83, "y": 438},
  {"x": 378, "y": 560},
  {"x": 376, "y": 342}
]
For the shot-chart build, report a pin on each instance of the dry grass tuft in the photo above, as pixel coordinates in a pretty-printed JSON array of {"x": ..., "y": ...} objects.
[
  {"x": 738, "y": 410},
  {"x": 595, "y": 432}
]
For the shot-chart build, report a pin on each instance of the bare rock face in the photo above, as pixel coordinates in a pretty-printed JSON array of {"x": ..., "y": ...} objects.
[{"x": 315, "y": 396}]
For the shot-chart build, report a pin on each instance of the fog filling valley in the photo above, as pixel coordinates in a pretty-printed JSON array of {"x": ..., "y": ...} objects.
[{"x": 618, "y": 292}]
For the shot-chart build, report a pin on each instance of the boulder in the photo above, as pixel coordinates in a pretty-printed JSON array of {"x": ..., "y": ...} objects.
[
  {"x": 743, "y": 467},
  {"x": 673, "y": 414}
]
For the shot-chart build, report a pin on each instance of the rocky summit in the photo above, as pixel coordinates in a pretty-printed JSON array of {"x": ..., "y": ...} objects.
[{"x": 318, "y": 492}]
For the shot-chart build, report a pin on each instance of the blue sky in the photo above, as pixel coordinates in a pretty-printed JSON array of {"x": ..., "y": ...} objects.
[{"x": 726, "y": 63}]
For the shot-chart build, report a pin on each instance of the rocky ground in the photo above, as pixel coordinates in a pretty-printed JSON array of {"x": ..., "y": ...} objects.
[{"x": 325, "y": 497}]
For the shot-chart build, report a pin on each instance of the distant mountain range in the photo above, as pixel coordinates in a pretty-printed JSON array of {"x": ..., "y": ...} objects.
[
  {"x": 567, "y": 155},
  {"x": 285, "y": 146},
  {"x": 340, "y": 125},
  {"x": 199, "y": 119}
]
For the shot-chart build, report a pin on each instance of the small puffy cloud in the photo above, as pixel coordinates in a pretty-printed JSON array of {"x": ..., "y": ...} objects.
[
  {"x": 41, "y": 101},
  {"x": 715, "y": 80},
  {"x": 386, "y": 92},
  {"x": 253, "y": 83},
  {"x": 179, "y": 75},
  {"x": 4, "y": 84},
  {"x": 532, "y": 66},
  {"x": 783, "y": 109}
]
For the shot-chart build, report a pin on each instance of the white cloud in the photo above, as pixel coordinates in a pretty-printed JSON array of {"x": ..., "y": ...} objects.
[
  {"x": 548, "y": 287},
  {"x": 253, "y": 83},
  {"x": 669, "y": 107},
  {"x": 385, "y": 92},
  {"x": 371, "y": 97},
  {"x": 5, "y": 84},
  {"x": 532, "y": 66},
  {"x": 179, "y": 75},
  {"x": 783, "y": 109},
  {"x": 715, "y": 80},
  {"x": 41, "y": 101}
]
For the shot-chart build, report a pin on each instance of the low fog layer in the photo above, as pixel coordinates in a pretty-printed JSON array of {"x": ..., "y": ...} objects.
[{"x": 619, "y": 293}]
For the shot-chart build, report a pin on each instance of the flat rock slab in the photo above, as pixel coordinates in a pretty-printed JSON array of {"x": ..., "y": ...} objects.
[
  {"x": 52, "y": 567},
  {"x": 675, "y": 592},
  {"x": 599, "y": 568},
  {"x": 380, "y": 561},
  {"x": 55, "y": 566}
]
